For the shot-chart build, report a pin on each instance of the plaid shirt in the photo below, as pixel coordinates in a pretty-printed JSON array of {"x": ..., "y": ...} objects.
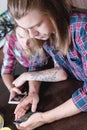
[
  {"x": 76, "y": 60},
  {"x": 13, "y": 53}
]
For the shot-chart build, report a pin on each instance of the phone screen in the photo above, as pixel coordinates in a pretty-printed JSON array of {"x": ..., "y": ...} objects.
[{"x": 17, "y": 98}]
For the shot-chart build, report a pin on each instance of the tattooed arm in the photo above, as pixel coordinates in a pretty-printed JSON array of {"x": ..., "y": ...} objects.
[{"x": 49, "y": 75}]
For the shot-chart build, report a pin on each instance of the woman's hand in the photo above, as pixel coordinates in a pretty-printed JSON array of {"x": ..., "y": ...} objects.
[
  {"x": 33, "y": 122},
  {"x": 13, "y": 92},
  {"x": 30, "y": 101}
]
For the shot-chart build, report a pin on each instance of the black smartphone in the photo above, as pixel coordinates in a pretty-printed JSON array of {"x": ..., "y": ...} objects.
[
  {"x": 23, "y": 118},
  {"x": 17, "y": 98}
]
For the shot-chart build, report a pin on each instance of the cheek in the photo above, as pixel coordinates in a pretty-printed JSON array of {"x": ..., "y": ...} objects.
[
  {"x": 44, "y": 30},
  {"x": 21, "y": 41},
  {"x": 47, "y": 28}
]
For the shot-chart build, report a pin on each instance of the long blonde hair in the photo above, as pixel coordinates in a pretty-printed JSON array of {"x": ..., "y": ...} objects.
[{"x": 58, "y": 10}]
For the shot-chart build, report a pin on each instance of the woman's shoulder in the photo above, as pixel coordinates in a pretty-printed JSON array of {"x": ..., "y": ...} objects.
[
  {"x": 11, "y": 36},
  {"x": 10, "y": 40}
]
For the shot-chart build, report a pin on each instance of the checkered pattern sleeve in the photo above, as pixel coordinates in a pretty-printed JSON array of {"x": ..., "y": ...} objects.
[
  {"x": 9, "y": 61},
  {"x": 80, "y": 96}
]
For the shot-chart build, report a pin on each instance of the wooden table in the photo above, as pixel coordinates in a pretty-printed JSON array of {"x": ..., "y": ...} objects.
[{"x": 51, "y": 95}]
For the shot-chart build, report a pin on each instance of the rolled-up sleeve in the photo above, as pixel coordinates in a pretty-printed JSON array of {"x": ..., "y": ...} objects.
[{"x": 79, "y": 97}]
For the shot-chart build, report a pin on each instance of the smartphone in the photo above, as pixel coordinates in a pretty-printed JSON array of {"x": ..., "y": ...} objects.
[
  {"x": 17, "y": 98},
  {"x": 23, "y": 118}
]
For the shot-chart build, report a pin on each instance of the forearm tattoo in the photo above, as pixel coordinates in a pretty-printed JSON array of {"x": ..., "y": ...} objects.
[{"x": 44, "y": 75}]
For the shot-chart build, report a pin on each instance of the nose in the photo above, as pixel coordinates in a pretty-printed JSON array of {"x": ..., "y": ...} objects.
[{"x": 33, "y": 33}]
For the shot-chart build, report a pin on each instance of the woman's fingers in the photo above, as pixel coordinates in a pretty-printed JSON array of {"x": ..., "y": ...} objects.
[{"x": 13, "y": 92}]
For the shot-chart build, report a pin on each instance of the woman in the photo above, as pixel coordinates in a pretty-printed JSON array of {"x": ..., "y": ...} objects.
[{"x": 63, "y": 34}]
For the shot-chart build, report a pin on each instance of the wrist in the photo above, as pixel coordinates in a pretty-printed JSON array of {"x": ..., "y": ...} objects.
[
  {"x": 48, "y": 117},
  {"x": 11, "y": 88},
  {"x": 32, "y": 92},
  {"x": 34, "y": 87}
]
